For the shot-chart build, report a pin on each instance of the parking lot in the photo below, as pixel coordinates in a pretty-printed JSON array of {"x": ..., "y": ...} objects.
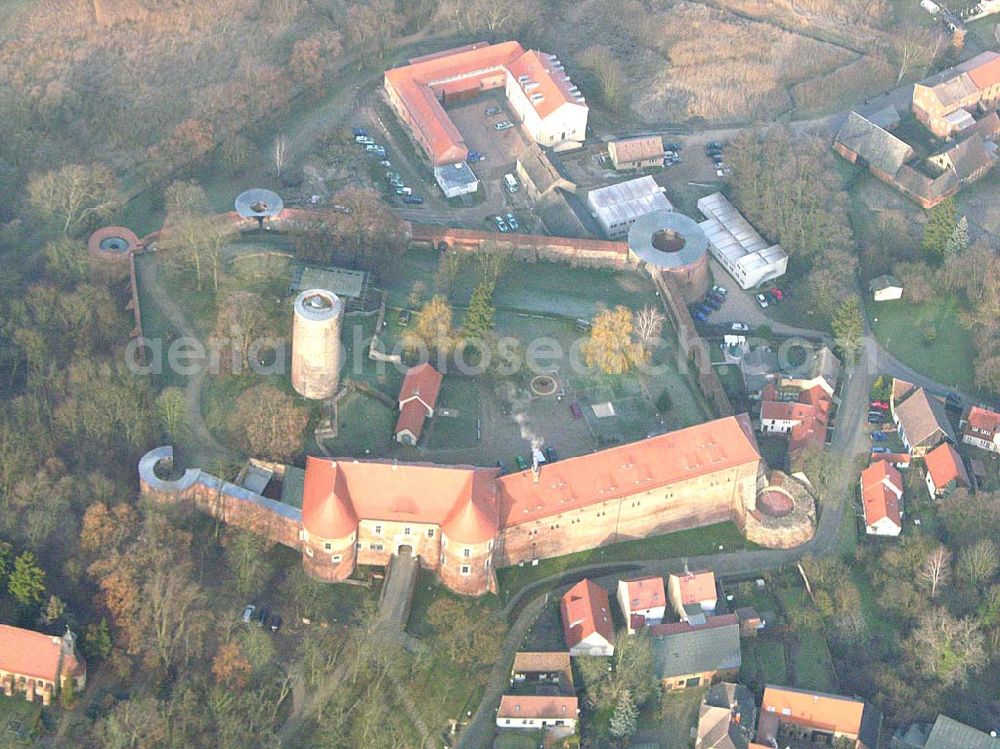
[{"x": 499, "y": 149}]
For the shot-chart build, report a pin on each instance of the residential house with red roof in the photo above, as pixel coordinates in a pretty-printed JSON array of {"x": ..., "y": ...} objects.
[
  {"x": 796, "y": 716},
  {"x": 39, "y": 665},
  {"x": 944, "y": 471},
  {"x": 417, "y": 400},
  {"x": 636, "y": 153},
  {"x": 555, "y": 714},
  {"x": 981, "y": 428},
  {"x": 801, "y": 414},
  {"x": 693, "y": 595},
  {"x": 920, "y": 417},
  {"x": 643, "y": 602},
  {"x": 586, "y": 620},
  {"x": 945, "y": 102},
  {"x": 882, "y": 499}
]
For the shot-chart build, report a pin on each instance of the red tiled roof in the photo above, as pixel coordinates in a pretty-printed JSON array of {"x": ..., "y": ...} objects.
[
  {"x": 417, "y": 398},
  {"x": 552, "y": 84},
  {"x": 464, "y": 69},
  {"x": 645, "y": 593},
  {"x": 673, "y": 628},
  {"x": 878, "y": 499},
  {"x": 945, "y": 465},
  {"x": 826, "y": 712},
  {"x": 983, "y": 69},
  {"x": 411, "y": 418},
  {"x": 337, "y": 492},
  {"x": 983, "y": 419},
  {"x": 637, "y": 149},
  {"x": 532, "y": 706},
  {"x": 585, "y": 610},
  {"x": 811, "y": 410},
  {"x": 423, "y": 382},
  {"x": 621, "y": 471},
  {"x": 696, "y": 587},
  {"x": 897, "y": 459},
  {"x": 29, "y": 653}
]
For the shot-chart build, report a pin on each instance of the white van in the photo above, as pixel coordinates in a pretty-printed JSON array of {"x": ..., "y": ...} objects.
[{"x": 510, "y": 182}]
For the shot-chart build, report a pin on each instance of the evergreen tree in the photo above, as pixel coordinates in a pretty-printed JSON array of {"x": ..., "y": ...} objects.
[
  {"x": 27, "y": 580},
  {"x": 97, "y": 643},
  {"x": 942, "y": 221},
  {"x": 958, "y": 242},
  {"x": 481, "y": 317},
  {"x": 848, "y": 327},
  {"x": 625, "y": 719}
]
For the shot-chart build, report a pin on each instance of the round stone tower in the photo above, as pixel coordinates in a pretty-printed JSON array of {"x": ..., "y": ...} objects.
[{"x": 316, "y": 349}]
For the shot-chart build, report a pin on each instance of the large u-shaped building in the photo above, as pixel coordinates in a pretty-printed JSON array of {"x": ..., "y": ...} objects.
[{"x": 464, "y": 522}]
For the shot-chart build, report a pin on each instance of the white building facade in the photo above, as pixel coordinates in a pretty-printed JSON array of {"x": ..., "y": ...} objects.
[{"x": 733, "y": 241}]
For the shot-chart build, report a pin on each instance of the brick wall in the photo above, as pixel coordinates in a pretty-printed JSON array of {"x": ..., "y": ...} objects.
[{"x": 703, "y": 500}]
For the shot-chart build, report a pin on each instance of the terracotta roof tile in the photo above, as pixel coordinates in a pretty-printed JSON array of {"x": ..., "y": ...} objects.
[
  {"x": 585, "y": 610},
  {"x": 983, "y": 419},
  {"x": 29, "y": 653},
  {"x": 826, "y": 712},
  {"x": 552, "y": 83},
  {"x": 945, "y": 465},
  {"x": 983, "y": 69},
  {"x": 411, "y": 419},
  {"x": 881, "y": 489},
  {"x": 645, "y": 593},
  {"x": 636, "y": 149},
  {"x": 696, "y": 587},
  {"x": 621, "y": 471},
  {"x": 533, "y": 706}
]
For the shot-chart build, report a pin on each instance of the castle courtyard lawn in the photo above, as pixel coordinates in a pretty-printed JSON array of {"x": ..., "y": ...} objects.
[
  {"x": 18, "y": 719},
  {"x": 687, "y": 543},
  {"x": 900, "y": 327}
]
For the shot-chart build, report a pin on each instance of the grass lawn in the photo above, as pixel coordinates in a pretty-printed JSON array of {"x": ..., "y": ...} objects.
[
  {"x": 900, "y": 328},
  {"x": 18, "y": 719},
  {"x": 678, "y": 713},
  {"x": 511, "y": 739},
  {"x": 763, "y": 662},
  {"x": 693, "y": 542},
  {"x": 364, "y": 427},
  {"x": 813, "y": 668}
]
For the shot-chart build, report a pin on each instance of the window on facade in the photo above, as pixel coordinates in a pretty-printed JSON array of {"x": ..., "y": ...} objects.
[
  {"x": 327, "y": 546},
  {"x": 309, "y": 551},
  {"x": 465, "y": 569},
  {"x": 466, "y": 552},
  {"x": 378, "y": 530},
  {"x": 406, "y": 531},
  {"x": 335, "y": 558},
  {"x": 486, "y": 564},
  {"x": 430, "y": 533}
]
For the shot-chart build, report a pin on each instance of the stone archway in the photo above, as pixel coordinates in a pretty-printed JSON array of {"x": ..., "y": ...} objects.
[{"x": 404, "y": 550}]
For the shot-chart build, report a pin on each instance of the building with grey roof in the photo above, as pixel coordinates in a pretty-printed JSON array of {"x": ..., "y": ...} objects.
[
  {"x": 733, "y": 241},
  {"x": 865, "y": 143},
  {"x": 950, "y": 734},
  {"x": 726, "y": 717},
  {"x": 692, "y": 656},
  {"x": 456, "y": 179},
  {"x": 617, "y": 207}
]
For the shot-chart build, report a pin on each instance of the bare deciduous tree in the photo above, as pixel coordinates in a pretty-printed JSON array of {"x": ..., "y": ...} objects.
[
  {"x": 75, "y": 195},
  {"x": 648, "y": 326},
  {"x": 935, "y": 572},
  {"x": 978, "y": 563},
  {"x": 279, "y": 151},
  {"x": 607, "y": 70},
  {"x": 914, "y": 47},
  {"x": 946, "y": 648}
]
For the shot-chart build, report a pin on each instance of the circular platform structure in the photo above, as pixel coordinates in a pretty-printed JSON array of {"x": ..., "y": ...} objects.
[
  {"x": 259, "y": 203},
  {"x": 667, "y": 240},
  {"x": 775, "y": 503},
  {"x": 544, "y": 385},
  {"x": 113, "y": 243}
]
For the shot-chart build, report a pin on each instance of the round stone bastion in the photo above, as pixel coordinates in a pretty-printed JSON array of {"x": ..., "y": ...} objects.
[{"x": 785, "y": 513}]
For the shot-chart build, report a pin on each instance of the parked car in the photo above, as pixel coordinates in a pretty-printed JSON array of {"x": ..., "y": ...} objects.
[
  {"x": 711, "y": 301},
  {"x": 880, "y": 450},
  {"x": 878, "y": 406},
  {"x": 248, "y": 613},
  {"x": 359, "y": 132},
  {"x": 363, "y": 140},
  {"x": 502, "y": 466},
  {"x": 404, "y": 317},
  {"x": 550, "y": 454},
  {"x": 676, "y": 147},
  {"x": 777, "y": 293},
  {"x": 574, "y": 408},
  {"x": 413, "y": 199},
  {"x": 372, "y": 147},
  {"x": 522, "y": 465},
  {"x": 876, "y": 419},
  {"x": 953, "y": 399},
  {"x": 491, "y": 111},
  {"x": 722, "y": 170},
  {"x": 385, "y": 162},
  {"x": 378, "y": 153},
  {"x": 501, "y": 224},
  {"x": 705, "y": 310},
  {"x": 274, "y": 622},
  {"x": 403, "y": 190},
  {"x": 512, "y": 222},
  {"x": 717, "y": 297},
  {"x": 739, "y": 327},
  {"x": 510, "y": 182},
  {"x": 473, "y": 157},
  {"x": 720, "y": 290},
  {"x": 699, "y": 316},
  {"x": 261, "y": 616},
  {"x": 505, "y": 125},
  {"x": 761, "y": 300},
  {"x": 717, "y": 159},
  {"x": 878, "y": 437}
]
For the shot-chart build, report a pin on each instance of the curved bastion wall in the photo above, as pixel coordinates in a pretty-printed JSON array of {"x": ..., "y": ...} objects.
[{"x": 785, "y": 513}]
